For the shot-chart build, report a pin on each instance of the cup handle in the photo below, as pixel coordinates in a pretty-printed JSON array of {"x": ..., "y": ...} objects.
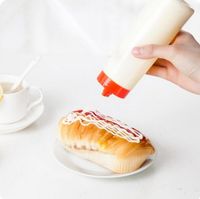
[{"x": 38, "y": 100}]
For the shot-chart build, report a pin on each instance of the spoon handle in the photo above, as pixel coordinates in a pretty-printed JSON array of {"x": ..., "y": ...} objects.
[{"x": 25, "y": 73}]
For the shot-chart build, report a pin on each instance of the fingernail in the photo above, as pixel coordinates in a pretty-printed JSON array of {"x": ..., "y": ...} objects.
[{"x": 136, "y": 51}]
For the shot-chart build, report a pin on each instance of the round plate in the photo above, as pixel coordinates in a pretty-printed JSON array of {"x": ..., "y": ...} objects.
[
  {"x": 29, "y": 119},
  {"x": 84, "y": 167}
]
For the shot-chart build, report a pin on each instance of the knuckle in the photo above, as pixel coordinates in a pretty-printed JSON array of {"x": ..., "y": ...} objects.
[{"x": 187, "y": 36}]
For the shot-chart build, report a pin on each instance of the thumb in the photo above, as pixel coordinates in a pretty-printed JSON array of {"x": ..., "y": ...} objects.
[{"x": 167, "y": 52}]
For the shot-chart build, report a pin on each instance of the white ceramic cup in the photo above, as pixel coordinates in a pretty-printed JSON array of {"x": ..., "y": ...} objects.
[{"x": 14, "y": 106}]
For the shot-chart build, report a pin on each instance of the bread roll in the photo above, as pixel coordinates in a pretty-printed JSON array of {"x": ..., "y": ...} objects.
[{"x": 104, "y": 141}]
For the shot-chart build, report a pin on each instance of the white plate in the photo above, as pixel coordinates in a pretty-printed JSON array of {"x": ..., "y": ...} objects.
[
  {"x": 29, "y": 119},
  {"x": 84, "y": 167}
]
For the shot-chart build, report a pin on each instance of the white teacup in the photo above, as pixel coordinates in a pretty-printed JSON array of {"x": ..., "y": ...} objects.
[{"x": 15, "y": 105}]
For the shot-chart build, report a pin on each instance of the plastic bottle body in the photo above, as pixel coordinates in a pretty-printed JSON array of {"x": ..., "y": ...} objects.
[{"x": 158, "y": 23}]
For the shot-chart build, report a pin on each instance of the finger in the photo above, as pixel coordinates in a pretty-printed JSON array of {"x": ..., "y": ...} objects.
[
  {"x": 158, "y": 71},
  {"x": 167, "y": 52},
  {"x": 175, "y": 77},
  {"x": 163, "y": 63}
]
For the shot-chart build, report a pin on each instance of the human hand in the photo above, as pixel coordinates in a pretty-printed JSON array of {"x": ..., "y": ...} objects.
[{"x": 178, "y": 62}]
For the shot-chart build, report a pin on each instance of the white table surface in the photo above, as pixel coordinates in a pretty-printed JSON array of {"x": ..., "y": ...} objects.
[{"x": 168, "y": 115}]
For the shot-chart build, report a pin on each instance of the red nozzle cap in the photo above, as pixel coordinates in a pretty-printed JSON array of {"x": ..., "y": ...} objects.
[{"x": 110, "y": 87}]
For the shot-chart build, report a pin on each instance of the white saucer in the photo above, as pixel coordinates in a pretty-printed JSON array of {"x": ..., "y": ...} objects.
[
  {"x": 83, "y": 167},
  {"x": 29, "y": 119}
]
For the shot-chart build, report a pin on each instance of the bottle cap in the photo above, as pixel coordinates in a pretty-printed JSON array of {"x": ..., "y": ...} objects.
[{"x": 110, "y": 87}]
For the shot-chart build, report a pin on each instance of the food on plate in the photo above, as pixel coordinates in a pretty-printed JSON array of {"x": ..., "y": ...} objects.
[{"x": 104, "y": 141}]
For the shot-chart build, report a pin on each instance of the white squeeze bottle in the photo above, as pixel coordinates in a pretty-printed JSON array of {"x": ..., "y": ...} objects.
[{"x": 158, "y": 23}]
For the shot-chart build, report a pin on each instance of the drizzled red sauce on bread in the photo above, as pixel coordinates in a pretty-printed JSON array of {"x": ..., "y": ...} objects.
[{"x": 113, "y": 122}]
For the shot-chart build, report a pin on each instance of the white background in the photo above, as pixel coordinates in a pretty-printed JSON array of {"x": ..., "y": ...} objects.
[{"x": 75, "y": 48}]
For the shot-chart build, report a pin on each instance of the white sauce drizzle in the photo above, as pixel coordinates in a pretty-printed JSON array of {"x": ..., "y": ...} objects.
[{"x": 115, "y": 127}]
